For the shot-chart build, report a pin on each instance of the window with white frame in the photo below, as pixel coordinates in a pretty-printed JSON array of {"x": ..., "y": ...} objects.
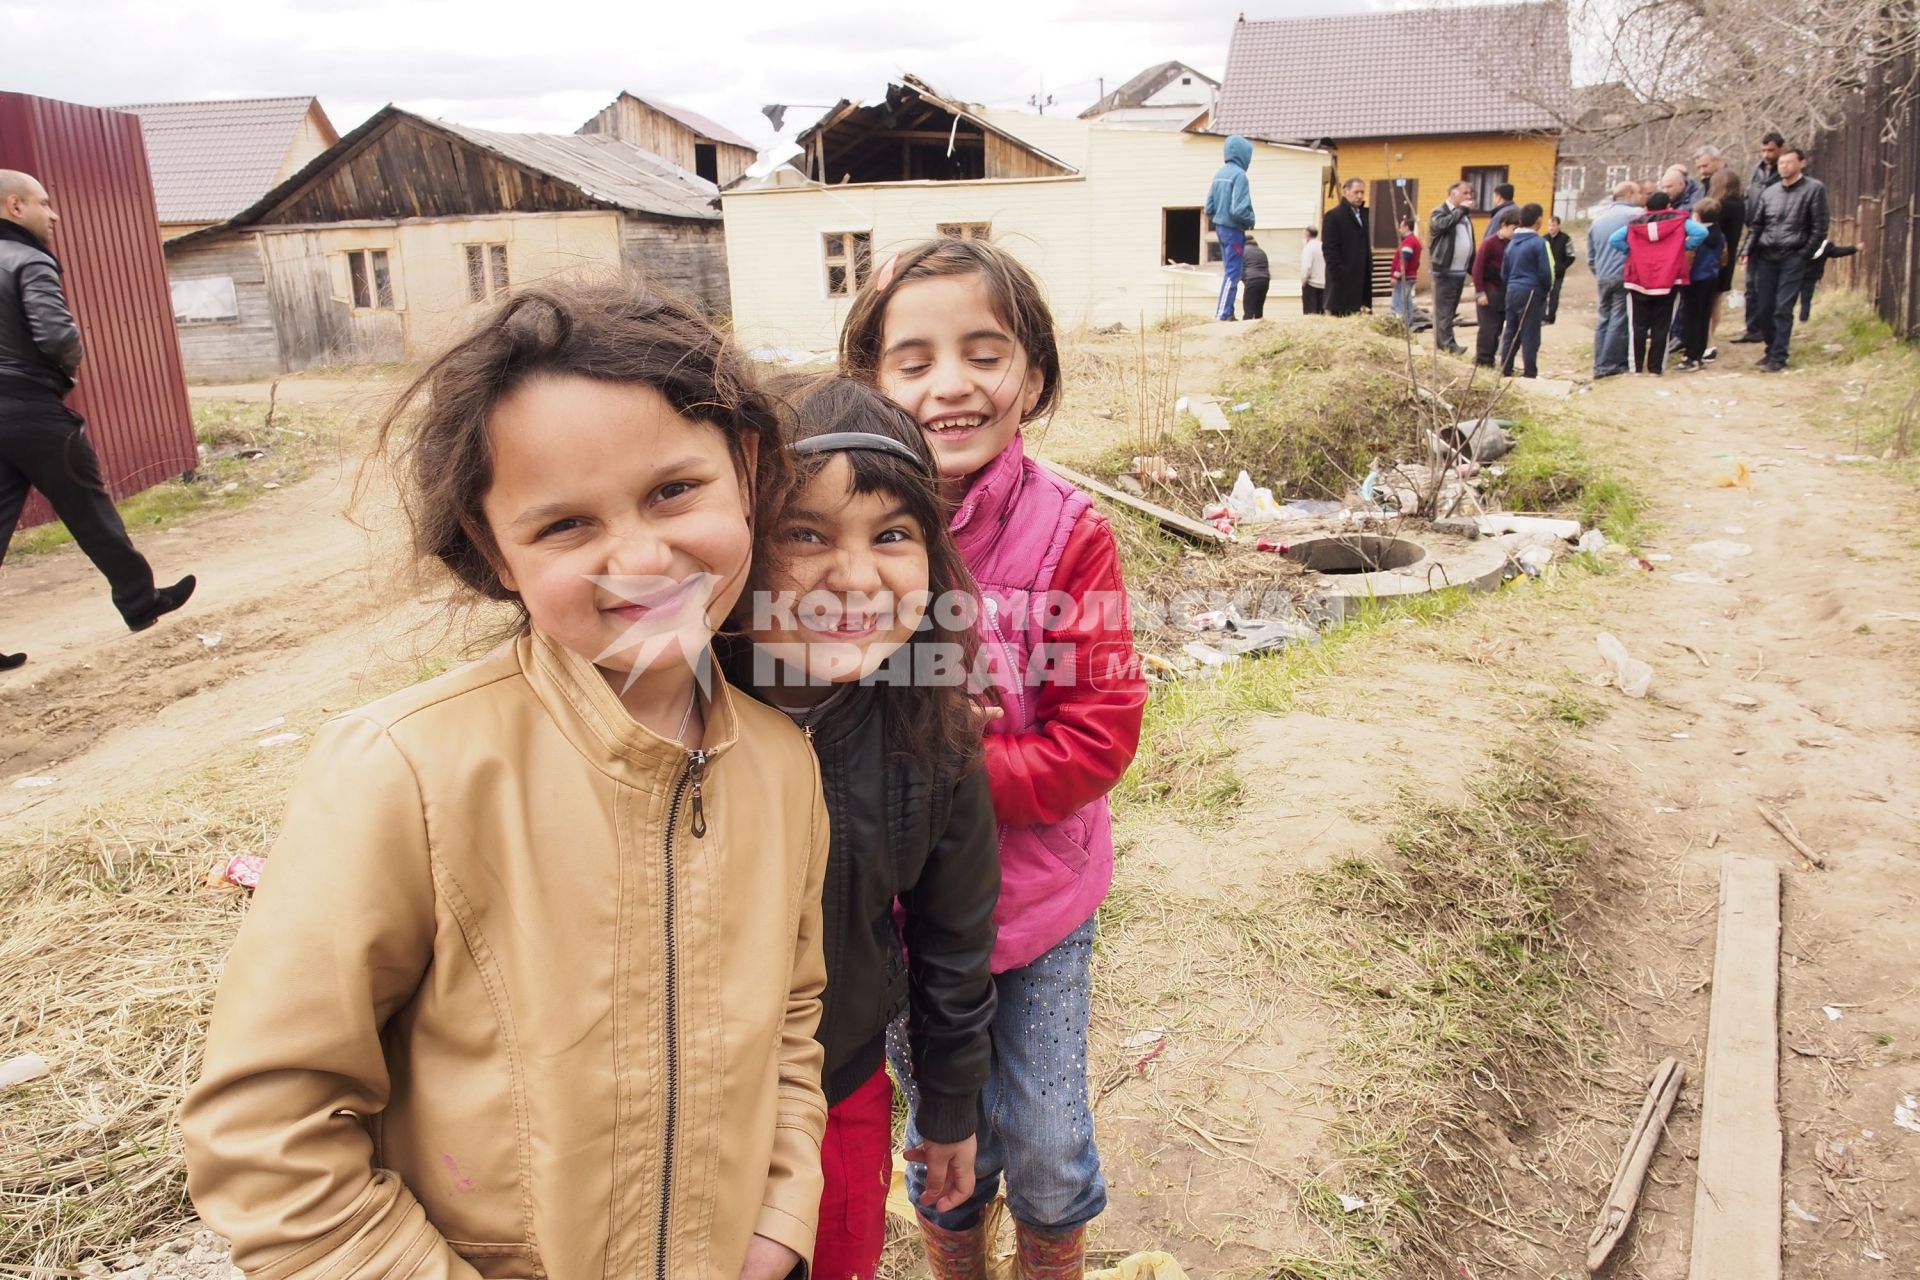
[
  {"x": 848, "y": 257},
  {"x": 370, "y": 277},
  {"x": 1617, "y": 174},
  {"x": 1573, "y": 177},
  {"x": 486, "y": 271},
  {"x": 207, "y": 300}
]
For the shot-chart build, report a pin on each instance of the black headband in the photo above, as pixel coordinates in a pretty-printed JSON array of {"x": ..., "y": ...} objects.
[{"x": 841, "y": 441}]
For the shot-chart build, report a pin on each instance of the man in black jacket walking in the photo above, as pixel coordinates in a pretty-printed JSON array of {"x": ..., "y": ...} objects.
[
  {"x": 43, "y": 444},
  {"x": 1766, "y": 172},
  {"x": 1787, "y": 226}
]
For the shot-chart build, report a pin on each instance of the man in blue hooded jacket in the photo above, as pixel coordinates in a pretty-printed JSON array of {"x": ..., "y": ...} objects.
[{"x": 1230, "y": 210}]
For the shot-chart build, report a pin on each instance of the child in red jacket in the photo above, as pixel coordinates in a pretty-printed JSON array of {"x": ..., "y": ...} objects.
[{"x": 957, "y": 333}]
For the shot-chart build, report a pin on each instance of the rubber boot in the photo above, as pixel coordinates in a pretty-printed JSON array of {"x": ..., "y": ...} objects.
[
  {"x": 955, "y": 1255},
  {"x": 1050, "y": 1255}
]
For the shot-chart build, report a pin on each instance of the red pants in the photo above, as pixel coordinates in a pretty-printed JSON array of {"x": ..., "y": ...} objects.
[{"x": 857, "y": 1158}]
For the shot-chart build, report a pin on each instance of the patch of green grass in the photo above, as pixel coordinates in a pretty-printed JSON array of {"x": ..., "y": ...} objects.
[
  {"x": 301, "y": 437},
  {"x": 1450, "y": 957},
  {"x": 1552, "y": 470},
  {"x": 1576, "y": 709}
]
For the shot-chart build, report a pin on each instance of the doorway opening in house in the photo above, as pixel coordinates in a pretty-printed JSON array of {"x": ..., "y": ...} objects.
[
  {"x": 706, "y": 161},
  {"x": 1180, "y": 239}
]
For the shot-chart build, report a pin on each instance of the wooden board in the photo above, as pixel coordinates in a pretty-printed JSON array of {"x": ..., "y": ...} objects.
[
  {"x": 1736, "y": 1207},
  {"x": 1172, "y": 520}
]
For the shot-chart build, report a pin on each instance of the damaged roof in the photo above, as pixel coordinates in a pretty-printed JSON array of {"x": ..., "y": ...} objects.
[
  {"x": 911, "y": 101},
  {"x": 1412, "y": 73},
  {"x": 212, "y": 159}
]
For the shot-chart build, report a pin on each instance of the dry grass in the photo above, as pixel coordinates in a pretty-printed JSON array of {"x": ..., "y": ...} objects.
[{"x": 112, "y": 944}]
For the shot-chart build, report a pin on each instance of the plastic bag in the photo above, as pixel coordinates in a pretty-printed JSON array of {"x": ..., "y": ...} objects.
[
  {"x": 1593, "y": 542},
  {"x": 1629, "y": 673}
]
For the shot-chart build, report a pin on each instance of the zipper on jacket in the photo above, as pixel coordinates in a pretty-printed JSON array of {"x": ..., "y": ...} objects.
[
  {"x": 991, "y": 608},
  {"x": 691, "y": 779}
]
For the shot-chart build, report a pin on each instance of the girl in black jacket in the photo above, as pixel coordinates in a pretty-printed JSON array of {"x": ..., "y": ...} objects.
[{"x": 861, "y": 620}]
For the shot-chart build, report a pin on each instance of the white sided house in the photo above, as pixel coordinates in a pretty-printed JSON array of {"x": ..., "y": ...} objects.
[{"x": 1108, "y": 218}]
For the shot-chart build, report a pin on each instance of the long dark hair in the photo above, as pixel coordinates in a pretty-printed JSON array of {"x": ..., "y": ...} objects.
[
  {"x": 925, "y": 720},
  {"x": 436, "y": 438}
]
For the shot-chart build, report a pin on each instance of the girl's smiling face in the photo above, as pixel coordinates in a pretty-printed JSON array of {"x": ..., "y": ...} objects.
[
  {"x": 948, "y": 359},
  {"x": 622, "y": 525},
  {"x": 848, "y": 578}
]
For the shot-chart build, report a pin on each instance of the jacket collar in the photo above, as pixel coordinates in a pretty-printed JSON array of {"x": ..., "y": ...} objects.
[
  {"x": 10, "y": 230},
  {"x": 591, "y": 715},
  {"x": 983, "y": 512}
]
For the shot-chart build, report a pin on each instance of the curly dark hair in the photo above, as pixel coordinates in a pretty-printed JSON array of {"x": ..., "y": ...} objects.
[
  {"x": 924, "y": 720},
  {"x": 435, "y": 434}
]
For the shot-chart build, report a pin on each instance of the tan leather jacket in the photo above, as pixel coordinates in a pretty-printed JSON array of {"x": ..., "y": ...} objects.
[{"x": 525, "y": 991}]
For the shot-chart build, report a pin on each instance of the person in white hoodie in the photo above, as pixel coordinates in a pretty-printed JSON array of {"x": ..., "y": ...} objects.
[{"x": 1313, "y": 276}]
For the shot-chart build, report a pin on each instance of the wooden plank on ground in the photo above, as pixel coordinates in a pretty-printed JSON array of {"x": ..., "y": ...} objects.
[
  {"x": 1212, "y": 418},
  {"x": 1736, "y": 1207},
  {"x": 1631, "y": 1173},
  {"x": 1172, "y": 520}
]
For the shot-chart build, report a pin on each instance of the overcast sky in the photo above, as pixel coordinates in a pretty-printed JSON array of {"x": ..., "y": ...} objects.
[{"x": 551, "y": 66}]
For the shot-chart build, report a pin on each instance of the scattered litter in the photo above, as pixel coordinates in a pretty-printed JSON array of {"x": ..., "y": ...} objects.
[
  {"x": 1793, "y": 1207},
  {"x": 232, "y": 486},
  {"x": 1907, "y": 1114},
  {"x": 1352, "y": 1204},
  {"x": 1665, "y": 808},
  {"x": 1204, "y": 654},
  {"x": 1250, "y": 503},
  {"x": 1873, "y": 1255},
  {"x": 1181, "y": 405},
  {"x": 1144, "y": 1039},
  {"x": 1854, "y": 457},
  {"x": 1680, "y": 737},
  {"x": 1630, "y": 674},
  {"x": 271, "y": 484},
  {"x": 1721, "y": 549},
  {"x": 1833, "y": 1014},
  {"x": 244, "y": 870},
  {"x": 1207, "y": 410},
  {"x": 1534, "y": 558},
  {"x": 1243, "y": 406},
  {"x": 1739, "y": 700},
  {"x": 1658, "y": 557},
  {"x": 28, "y": 784},
  {"x": 274, "y": 723},
  {"x": 1458, "y": 525},
  {"x": 28, "y": 1066},
  {"x": 281, "y": 739},
  {"x": 211, "y": 639},
  {"x": 1156, "y": 469},
  {"x": 1481, "y": 440},
  {"x": 1593, "y": 542},
  {"x": 1741, "y": 477}
]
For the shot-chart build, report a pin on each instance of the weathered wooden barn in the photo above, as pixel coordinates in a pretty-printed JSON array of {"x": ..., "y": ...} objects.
[
  {"x": 389, "y": 243},
  {"x": 686, "y": 138}
]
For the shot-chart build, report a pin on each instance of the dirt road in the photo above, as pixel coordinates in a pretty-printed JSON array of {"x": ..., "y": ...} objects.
[{"x": 1784, "y": 675}]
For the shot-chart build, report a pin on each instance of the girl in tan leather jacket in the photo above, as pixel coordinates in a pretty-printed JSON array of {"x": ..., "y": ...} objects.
[{"x": 530, "y": 984}]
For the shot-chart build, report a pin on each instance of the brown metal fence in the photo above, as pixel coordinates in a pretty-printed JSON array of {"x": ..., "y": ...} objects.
[
  {"x": 132, "y": 388},
  {"x": 1871, "y": 166}
]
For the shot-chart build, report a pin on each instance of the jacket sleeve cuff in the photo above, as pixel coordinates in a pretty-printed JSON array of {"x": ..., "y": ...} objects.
[
  {"x": 781, "y": 1227},
  {"x": 947, "y": 1117}
]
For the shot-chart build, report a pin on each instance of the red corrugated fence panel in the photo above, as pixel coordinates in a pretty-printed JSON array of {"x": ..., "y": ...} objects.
[{"x": 133, "y": 388}]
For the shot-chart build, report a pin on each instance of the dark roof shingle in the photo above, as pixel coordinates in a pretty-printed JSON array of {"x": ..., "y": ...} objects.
[
  {"x": 1416, "y": 72},
  {"x": 212, "y": 159}
]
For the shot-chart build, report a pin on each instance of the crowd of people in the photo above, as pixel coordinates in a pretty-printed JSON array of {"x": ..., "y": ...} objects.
[{"x": 1664, "y": 252}]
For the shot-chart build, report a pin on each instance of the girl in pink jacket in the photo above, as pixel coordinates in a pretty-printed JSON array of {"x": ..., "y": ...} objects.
[{"x": 957, "y": 333}]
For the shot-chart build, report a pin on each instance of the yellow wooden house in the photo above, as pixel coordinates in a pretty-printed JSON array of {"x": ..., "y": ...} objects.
[{"x": 1411, "y": 101}]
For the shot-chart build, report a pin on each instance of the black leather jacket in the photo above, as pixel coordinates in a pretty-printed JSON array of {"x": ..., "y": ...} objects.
[
  {"x": 39, "y": 341},
  {"x": 931, "y": 842}
]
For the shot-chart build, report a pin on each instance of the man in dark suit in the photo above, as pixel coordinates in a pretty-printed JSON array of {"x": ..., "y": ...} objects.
[{"x": 1347, "y": 236}]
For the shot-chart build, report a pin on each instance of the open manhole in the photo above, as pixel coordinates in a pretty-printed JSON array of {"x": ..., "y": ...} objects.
[{"x": 1355, "y": 553}]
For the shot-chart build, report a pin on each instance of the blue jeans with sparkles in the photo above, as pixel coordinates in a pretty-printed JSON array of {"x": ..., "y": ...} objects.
[{"x": 1037, "y": 1130}]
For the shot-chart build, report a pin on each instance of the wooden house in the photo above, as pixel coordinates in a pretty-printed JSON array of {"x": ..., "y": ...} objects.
[
  {"x": 212, "y": 159},
  {"x": 675, "y": 134},
  {"x": 1412, "y": 101},
  {"x": 1108, "y": 218},
  {"x": 390, "y": 242}
]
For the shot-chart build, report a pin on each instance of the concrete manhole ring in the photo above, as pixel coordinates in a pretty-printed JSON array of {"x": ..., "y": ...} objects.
[{"x": 1354, "y": 570}]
